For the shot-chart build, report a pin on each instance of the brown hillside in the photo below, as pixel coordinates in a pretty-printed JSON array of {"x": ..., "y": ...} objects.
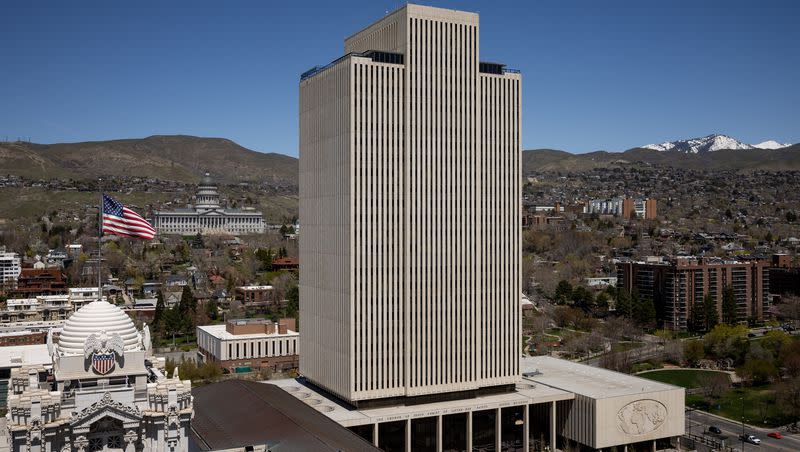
[{"x": 175, "y": 157}]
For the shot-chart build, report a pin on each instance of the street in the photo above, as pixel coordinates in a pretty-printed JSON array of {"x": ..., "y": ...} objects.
[{"x": 698, "y": 422}]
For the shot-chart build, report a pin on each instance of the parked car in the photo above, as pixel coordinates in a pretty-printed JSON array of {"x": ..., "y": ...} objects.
[
  {"x": 750, "y": 439},
  {"x": 714, "y": 429},
  {"x": 775, "y": 435}
]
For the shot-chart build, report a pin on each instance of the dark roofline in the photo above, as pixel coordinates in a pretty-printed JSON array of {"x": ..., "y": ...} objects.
[{"x": 238, "y": 413}]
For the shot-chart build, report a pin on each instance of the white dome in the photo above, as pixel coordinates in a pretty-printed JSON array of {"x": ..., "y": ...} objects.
[{"x": 93, "y": 318}]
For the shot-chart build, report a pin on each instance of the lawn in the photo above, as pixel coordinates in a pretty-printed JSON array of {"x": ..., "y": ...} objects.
[
  {"x": 758, "y": 403},
  {"x": 625, "y": 346},
  {"x": 687, "y": 378}
]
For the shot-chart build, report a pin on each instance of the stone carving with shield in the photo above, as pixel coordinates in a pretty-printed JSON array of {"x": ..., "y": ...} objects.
[{"x": 103, "y": 350}]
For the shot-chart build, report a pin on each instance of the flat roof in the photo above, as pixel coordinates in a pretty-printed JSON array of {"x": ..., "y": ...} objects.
[
  {"x": 220, "y": 332},
  {"x": 237, "y": 413},
  {"x": 527, "y": 392},
  {"x": 589, "y": 381},
  {"x": 22, "y": 355}
]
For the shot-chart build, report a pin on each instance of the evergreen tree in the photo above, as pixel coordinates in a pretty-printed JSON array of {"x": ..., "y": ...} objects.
[
  {"x": 212, "y": 309},
  {"x": 563, "y": 291},
  {"x": 292, "y": 301},
  {"x": 623, "y": 304},
  {"x": 710, "y": 316},
  {"x": 729, "y": 315},
  {"x": 158, "y": 317},
  {"x": 582, "y": 298},
  {"x": 696, "y": 321},
  {"x": 645, "y": 311},
  {"x": 186, "y": 309}
]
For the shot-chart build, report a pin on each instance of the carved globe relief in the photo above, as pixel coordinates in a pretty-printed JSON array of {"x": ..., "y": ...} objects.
[{"x": 641, "y": 417}]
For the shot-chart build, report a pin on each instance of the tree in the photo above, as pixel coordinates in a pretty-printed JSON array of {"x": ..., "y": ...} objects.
[
  {"x": 696, "y": 321},
  {"x": 158, "y": 316},
  {"x": 624, "y": 305},
  {"x": 212, "y": 309},
  {"x": 582, "y": 298},
  {"x": 729, "y": 314},
  {"x": 693, "y": 352},
  {"x": 788, "y": 396},
  {"x": 292, "y": 301},
  {"x": 757, "y": 371},
  {"x": 644, "y": 310},
  {"x": 186, "y": 310},
  {"x": 563, "y": 291},
  {"x": 710, "y": 316}
]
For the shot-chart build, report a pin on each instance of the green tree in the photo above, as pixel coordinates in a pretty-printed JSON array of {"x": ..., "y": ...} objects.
[
  {"x": 694, "y": 351},
  {"x": 158, "y": 316},
  {"x": 212, "y": 309},
  {"x": 187, "y": 308},
  {"x": 582, "y": 298},
  {"x": 266, "y": 257},
  {"x": 292, "y": 301},
  {"x": 696, "y": 321},
  {"x": 645, "y": 312},
  {"x": 729, "y": 315},
  {"x": 563, "y": 291},
  {"x": 624, "y": 306},
  {"x": 710, "y": 316}
]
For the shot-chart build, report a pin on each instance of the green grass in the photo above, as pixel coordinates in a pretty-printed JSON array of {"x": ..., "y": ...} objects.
[
  {"x": 759, "y": 406},
  {"x": 687, "y": 378},
  {"x": 625, "y": 346}
]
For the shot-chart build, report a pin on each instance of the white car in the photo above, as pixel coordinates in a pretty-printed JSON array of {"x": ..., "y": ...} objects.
[{"x": 750, "y": 439}]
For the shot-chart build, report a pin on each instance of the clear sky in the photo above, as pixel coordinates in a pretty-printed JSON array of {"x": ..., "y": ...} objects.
[{"x": 596, "y": 74}]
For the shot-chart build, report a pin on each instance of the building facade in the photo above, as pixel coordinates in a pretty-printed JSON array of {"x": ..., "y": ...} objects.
[
  {"x": 33, "y": 282},
  {"x": 410, "y": 201},
  {"x": 623, "y": 207},
  {"x": 676, "y": 285},
  {"x": 252, "y": 344},
  {"x": 9, "y": 270},
  {"x": 100, "y": 393},
  {"x": 207, "y": 216}
]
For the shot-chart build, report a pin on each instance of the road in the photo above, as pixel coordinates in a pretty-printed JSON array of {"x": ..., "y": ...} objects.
[{"x": 697, "y": 422}]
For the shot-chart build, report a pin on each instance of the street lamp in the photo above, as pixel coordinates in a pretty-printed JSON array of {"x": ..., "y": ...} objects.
[{"x": 742, "y": 437}]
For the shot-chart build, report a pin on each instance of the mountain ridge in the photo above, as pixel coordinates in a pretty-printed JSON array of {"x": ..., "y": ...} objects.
[
  {"x": 181, "y": 158},
  {"x": 711, "y": 143},
  {"x": 783, "y": 159}
]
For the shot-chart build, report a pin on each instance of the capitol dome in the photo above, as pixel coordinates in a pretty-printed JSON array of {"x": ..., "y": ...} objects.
[{"x": 93, "y": 318}]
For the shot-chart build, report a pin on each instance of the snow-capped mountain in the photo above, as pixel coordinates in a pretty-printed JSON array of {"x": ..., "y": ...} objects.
[
  {"x": 711, "y": 143},
  {"x": 771, "y": 144}
]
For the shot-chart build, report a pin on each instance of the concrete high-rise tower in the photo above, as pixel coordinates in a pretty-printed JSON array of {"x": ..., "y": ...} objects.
[{"x": 410, "y": 205}]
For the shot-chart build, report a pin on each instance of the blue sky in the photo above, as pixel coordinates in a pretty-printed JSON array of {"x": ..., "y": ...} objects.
[{"x": 596, "y": 74}]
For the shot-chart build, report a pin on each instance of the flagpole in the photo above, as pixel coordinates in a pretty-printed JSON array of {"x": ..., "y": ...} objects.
[{"x": 100, "y": 242}]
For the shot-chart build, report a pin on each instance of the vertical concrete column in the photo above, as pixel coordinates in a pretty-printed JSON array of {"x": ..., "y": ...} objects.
[
  {"x": 526, "y": 429},
  {"x": 408, "y": 435},
  {"x": 469, "y": 431},
  {"x": 375, "y": 434},
  {"x": 553, "y": 425},
  {"x": 654, "y": 445},
  {"x": 498, "y": 429},
  {"x": 439, "y": 428}
]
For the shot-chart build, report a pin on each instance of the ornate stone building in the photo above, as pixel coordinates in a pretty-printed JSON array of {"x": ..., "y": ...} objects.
[
  {"x": 103, "y": 393},
  {"x": 207, "y": 216}
]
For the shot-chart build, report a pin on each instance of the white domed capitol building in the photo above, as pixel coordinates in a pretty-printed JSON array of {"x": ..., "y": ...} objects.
[
  {"x": 104, "y": 392},
  {"x": 207, "y": 216}
]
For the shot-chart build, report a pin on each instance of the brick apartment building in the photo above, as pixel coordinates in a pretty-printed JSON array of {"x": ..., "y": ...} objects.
[
  {"x": 33, "y": 282},
  {"x": 675, "y": 285}
]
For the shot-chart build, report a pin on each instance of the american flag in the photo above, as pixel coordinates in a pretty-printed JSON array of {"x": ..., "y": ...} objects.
[{"x": 120, "y": 220}]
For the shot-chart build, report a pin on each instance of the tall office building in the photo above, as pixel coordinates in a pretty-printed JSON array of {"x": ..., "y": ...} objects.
[{"x": 410, "y": 202}]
